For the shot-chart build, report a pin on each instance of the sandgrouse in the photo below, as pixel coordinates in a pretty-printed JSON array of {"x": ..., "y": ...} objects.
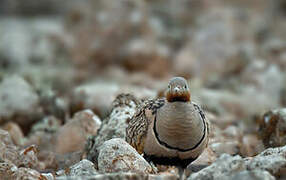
[{"x": 171, "y": 130}]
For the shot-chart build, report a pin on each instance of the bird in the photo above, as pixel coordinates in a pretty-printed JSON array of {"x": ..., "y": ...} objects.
[{"x": 172, "y": 130}]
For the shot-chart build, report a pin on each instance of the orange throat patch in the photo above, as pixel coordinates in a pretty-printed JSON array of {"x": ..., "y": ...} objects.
[{"x": 182, "y": 96}]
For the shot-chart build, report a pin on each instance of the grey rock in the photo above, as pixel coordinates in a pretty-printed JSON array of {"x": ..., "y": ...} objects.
[
  {"x": 224, "y": 166},
  {"x": 116, "y": 155},
  {"x": 110, "y": 176},
  {"x": 257, "y": 76},
  {"x": 5, "y": 138},
  {"x": 8, "y": 151},
  {"x": 49, "y": 124},
  {"x": 82, "y": 168},
  {"x": 24, "y": 40},
  {"x": 71, "y": 136},
  {"x": 251, "y": 175},
  {"x": 267, "y": 164},
  {"x": 114, "y": 126},
  {"x": 212, "y": 47},
  {"x": 52, "y": 104},
  {"x": 27, "y": 173},
  {"x": 28, "y": 158},
  {"x": 272, "y": 160},
  {"x": 121, "y": 175},
  {"x": 231, "y": 148},
  {"x": 99, "y": 96},
  {"x": 17, "y": 98},
  {"x": 48, "y": 176},
  {"x": 225, "y": 102},
  {"x": 15, "y": 132},
  {"x": 124, "y": 107},
  {"x": 61, "y": 161},
  {"x": 7, "y": 169}
]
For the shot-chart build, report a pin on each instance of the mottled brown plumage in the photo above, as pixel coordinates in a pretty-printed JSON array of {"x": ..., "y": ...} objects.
[
  {"x": 169, "y": 131},
  {"x": 138, "y": 125}
]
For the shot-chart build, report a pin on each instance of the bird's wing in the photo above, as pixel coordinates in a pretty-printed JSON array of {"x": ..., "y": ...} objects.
[
  {"x": 205, "y": 120},
  {"x": 138, "y": 125}
]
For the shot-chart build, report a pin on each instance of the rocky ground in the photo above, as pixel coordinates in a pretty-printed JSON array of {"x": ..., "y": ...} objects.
[{"x": 72, "y": 74}]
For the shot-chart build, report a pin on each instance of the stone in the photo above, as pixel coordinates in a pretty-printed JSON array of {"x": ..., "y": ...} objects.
[
  {"x": 251, "y": 145},
  {"x": 143, "y": 55},
  {"x": 116, "y": 155},
  {"x": 224, "y": 166},
  {"x": 48, "y": 176},
  {"x": 12, "y": 154},
  {"x": 205, "y": 159},
  {"x": 229, "y": 104},
  {"x": 5, "y": 137},
  {"x": 24, "y": 40},
  {"x": 250, "y": 175},
  {"x": 54, "y": 161},
  {"x": 18, "y": 100},
  {"x": 82, "y": 168},
  {"x": 272, "y": 128},
  {"x": 230, "y": 147},
  {"x": 111, "y": 176},
  {"x": 52, "y": 104},
  {"x": 28, "y": 158},
  {"x": 7, "y": 170},
  {"x": 89, "y": 121},
  {"x": 72, "y": 136},
  {"x": 123, "y": 108},
  {"x": 15, "y": 132},
  {"x": 99, "y": 96},
  {"x": 256, "y": 78},
  {"x": 212, "y": 47},
  {"x": 8, "y": 151},
  {"x": 272, "y": 160},
  {"x": 48, "y": 124},
  {"x": 27, "y": 173}
]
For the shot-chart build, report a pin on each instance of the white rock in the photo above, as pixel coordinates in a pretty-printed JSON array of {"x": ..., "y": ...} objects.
[
  {"x": 17, "y": 97},
  {"x": 116, "y": 155}
]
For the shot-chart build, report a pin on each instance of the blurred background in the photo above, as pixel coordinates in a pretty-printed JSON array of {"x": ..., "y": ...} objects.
[
  {"x": 59, "y": 57},
  {"x": 236, "y": 49}
]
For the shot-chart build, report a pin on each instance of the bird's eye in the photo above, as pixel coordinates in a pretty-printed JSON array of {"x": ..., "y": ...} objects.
[
  {"x": 185, "y": 86},
  {"x": 169, "y": 86}
]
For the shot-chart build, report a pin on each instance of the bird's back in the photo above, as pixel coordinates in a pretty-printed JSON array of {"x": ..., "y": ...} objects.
[{"x": 137, "y": 129}]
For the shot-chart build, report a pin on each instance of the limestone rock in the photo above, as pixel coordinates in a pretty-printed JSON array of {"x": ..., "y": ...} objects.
[
  {"x": 250, "y": 175},
  {"x": 82, "y": 168},
  {"x": 251, "y": 145},
  {"x": 49, "y": 124},
  {"x": 15, "y": 132},
  {"x": 229, "y": 147},
  {"x": 123, "y": 108},
  {"x": 18, "y": 100},
  {"x": 72, "y": 136},
  {"x": 224, "y": 166},
  {"x": 28, "y": 158},
  {"x": 8, "y": 151},
  {"x": 99, "y": 96},
  {"x": 272, "y": 160},
  {"x": 111, "y": 176},
  {"x": 27, "y": 173},
  {"x": 116, "y": 155}
]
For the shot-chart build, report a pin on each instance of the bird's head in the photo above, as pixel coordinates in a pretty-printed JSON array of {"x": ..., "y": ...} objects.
[{"x": 178, "y": 90}]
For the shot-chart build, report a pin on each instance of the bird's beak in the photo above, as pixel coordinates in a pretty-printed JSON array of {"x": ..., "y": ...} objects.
[{"x": 176, "y": 89}]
